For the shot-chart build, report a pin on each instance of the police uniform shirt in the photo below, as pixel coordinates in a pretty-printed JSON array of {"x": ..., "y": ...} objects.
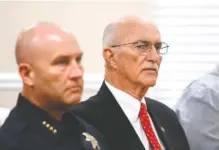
[{"x": 30, "y": 128}]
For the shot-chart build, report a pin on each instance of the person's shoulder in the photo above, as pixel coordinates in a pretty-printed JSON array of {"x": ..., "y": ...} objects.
[
  {"x": 11, "y": 131},
  {"x": 156, "y": 103},
  {"x": 201, "y": 89},
  {"x": 86, "y": 108},
  {"x": 165, "y": 114},
  {"x": 87, "y": 104},
  {"x": 208, "y": 81},
  {"x": 159, "y": 107}
]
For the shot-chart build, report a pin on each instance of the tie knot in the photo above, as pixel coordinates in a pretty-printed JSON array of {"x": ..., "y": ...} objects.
[
  {"x": 143, "y": 109},
  {"x": 143, "y": 106}
]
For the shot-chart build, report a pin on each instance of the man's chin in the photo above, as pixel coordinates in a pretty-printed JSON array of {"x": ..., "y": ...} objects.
[
  {"x": 150, "y": 83},
  {"x": 73, "y": 99}
]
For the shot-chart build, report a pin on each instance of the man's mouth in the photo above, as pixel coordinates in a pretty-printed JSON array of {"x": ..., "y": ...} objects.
[
  {"x": 75, "y": 88},
  {"x": 150, "y": 69}
]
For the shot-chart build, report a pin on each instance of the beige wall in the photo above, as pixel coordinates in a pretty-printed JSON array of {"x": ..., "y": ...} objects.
[{"x": 85, "y": 19}]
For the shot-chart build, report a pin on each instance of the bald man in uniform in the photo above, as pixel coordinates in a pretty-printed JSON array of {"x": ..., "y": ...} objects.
[
  {"x": 132, "y": 50},
  {"x": 49, "y": 63}
]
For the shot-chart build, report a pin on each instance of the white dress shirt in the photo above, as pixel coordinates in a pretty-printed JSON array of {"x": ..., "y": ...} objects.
[{"x": 131, "y": 108}]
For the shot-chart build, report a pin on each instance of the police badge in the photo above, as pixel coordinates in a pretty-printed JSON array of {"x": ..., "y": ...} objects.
[{"x": 91, "y": 139}]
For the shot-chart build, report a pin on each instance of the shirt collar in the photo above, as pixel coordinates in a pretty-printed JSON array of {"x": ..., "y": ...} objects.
[{"x": 129, "y": 104}]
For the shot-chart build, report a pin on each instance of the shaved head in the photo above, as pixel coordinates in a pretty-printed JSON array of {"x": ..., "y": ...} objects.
[
  {"x": 35, "y": 36},
  {"x": 49, "y": 63},
  {"x": 117, "y": 31}
]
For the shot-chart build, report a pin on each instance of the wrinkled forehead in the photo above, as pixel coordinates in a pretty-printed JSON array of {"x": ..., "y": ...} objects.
[{"x": 134, "y": 31}]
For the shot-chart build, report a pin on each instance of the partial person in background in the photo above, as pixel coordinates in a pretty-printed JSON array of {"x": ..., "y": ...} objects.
[
  {"x": 198, "y": 112},
  {"x": 132, "y": 50},
  {"x": 49, "y": 63}
]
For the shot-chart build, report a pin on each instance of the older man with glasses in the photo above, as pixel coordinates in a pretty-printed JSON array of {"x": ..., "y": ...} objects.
[{"x": 132, "y": 50}]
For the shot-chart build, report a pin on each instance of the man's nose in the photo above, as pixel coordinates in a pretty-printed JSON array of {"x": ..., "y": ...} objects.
[
  {"x": 77, "y": 71},
  {"x": 153, "y": 55}
]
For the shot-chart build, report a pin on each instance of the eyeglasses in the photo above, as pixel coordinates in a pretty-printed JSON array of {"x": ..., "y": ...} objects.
[{"x": 146, "y": 46}]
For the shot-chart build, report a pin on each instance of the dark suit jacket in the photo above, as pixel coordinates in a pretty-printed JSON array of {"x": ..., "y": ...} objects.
[{"x": 104, "y": 113}]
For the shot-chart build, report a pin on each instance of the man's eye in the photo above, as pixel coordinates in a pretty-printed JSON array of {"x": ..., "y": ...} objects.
[
  {"x": 141, "y": 46},
  {"x": 79, "y": 59},
  {"x": 158, "y": 46},
  {"x": 63, "y": 61}
]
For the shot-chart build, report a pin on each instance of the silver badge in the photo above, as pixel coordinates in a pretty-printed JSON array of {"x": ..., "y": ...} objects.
[{"x": 91, "y": 139}]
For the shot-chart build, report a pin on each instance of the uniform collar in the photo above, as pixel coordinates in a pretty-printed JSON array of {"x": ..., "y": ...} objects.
[{"x": 39, "y": 118}]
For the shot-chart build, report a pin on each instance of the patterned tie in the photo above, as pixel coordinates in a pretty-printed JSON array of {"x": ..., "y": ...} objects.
[{"x": 145, "y": 121}]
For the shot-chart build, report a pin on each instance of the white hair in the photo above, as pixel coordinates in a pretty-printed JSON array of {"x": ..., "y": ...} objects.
[{"x": 110, "y": 35}]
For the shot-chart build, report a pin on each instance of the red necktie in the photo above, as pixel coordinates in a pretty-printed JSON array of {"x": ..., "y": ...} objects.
[{"x": 146, "y": 124}]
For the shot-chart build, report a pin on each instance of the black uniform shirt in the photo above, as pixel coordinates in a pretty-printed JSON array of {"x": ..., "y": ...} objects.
[{"x": 31, "y": 128}]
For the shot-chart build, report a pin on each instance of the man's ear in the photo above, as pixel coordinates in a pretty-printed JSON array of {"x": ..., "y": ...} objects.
[
  {"x": 26, "y": 73},
  {"x": 110, "y": 56}
]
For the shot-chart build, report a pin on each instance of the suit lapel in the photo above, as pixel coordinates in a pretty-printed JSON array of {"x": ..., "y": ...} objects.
[
  {"x": 126, "y": 136},
  {"x": 158, "y": 125}
]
